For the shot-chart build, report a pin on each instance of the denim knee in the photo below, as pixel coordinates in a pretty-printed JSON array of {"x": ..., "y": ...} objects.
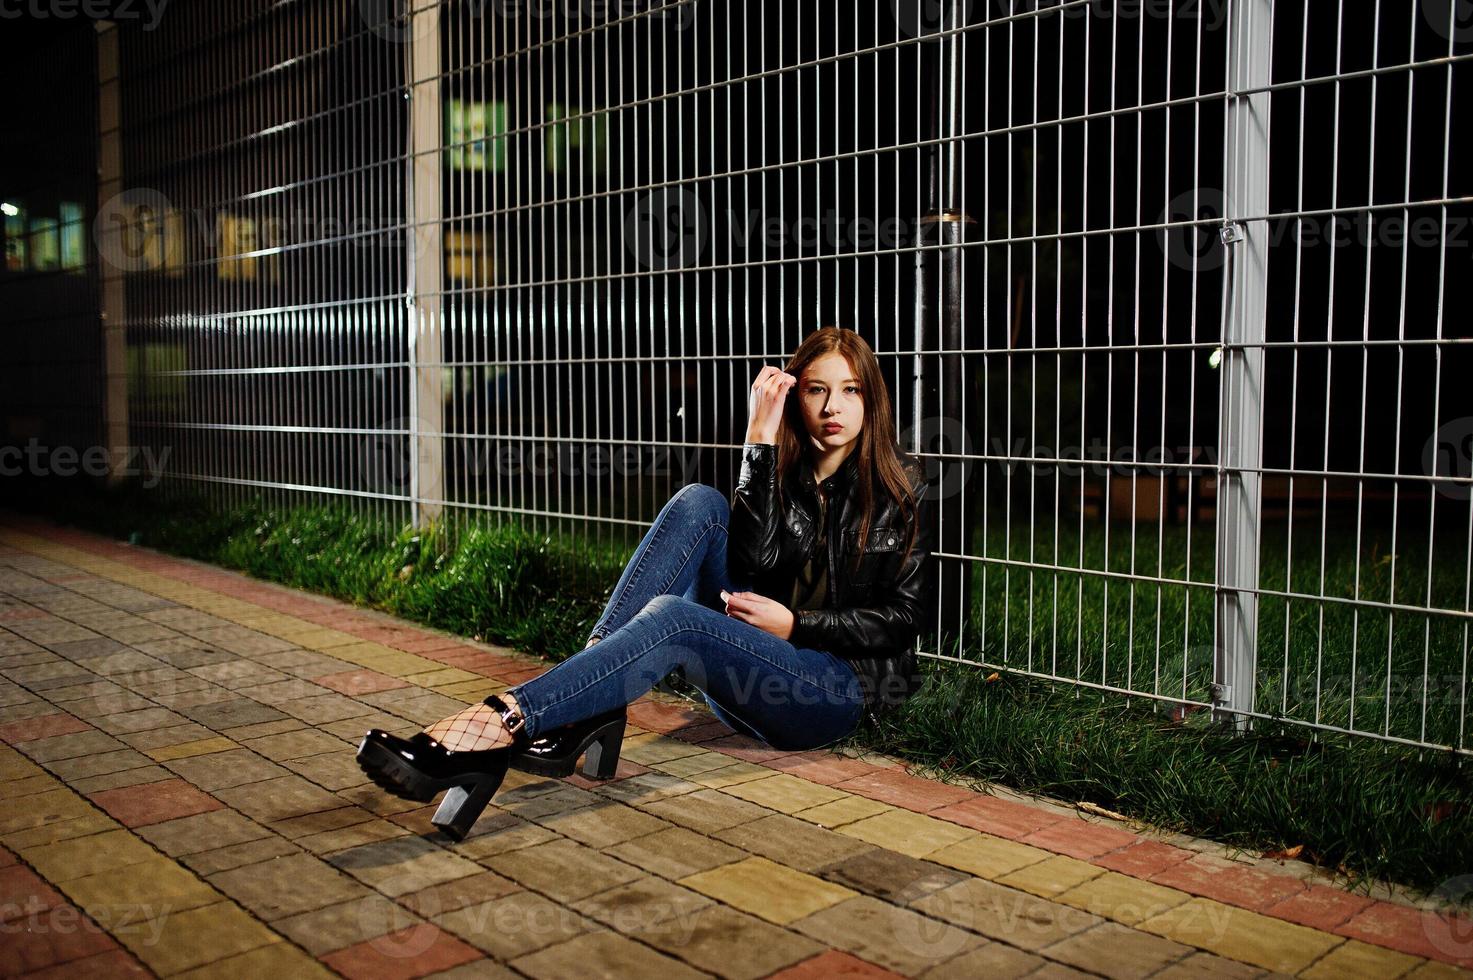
[{"x": 700, "y": 499}]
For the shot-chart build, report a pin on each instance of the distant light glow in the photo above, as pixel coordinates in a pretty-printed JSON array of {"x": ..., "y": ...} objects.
[{"x": 9, "y": 210}]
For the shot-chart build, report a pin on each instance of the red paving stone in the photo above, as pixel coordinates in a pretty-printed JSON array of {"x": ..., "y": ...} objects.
[
  {"x": 1320, "y": 907},
  {"x": 60, "y": 934},
  {"x": 744, "y": 748},
  {"x": 1001, "y": 818},
  {"x": 1143, "y": 858},
  {"x": 20, "y": 615},
  {"x": 701, "y": 733},
  {"x": 44, "y": 726},
  {"x": 355, "y": 682},
  {"x": 833, "y": 963},
  {"x": 414, "y": 951},
  {"x": 1079, "y": 838},
  {"x": 822, "y": 767},
  {"x": 23, "y": 893},
  {"x": 904, "y": 790},
  {"x": 1231, "y": 883},
  {"x": 1436, "y": 935},
  {"x": 146, "y": 803},
  {"x": 115, "y": 964},
  {"x": 664, "y": 718}
]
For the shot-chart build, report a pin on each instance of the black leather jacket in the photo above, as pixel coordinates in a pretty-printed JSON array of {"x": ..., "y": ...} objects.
[{"x": 873, "y": 616}]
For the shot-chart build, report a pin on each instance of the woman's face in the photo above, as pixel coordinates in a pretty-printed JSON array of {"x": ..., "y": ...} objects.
[{"x": 833, "y": 405}]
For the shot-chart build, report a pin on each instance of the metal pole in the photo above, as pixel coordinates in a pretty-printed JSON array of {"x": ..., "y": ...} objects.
[
  {"x": 424, "y": 241},
  {"x": 113, "y": 293},
  {"x": 938, "y": 302},
  {"x": 1240, "y": 439}
]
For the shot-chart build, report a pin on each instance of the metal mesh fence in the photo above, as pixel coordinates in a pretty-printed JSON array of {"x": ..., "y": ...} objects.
[{"x": 1170, "y": 295}]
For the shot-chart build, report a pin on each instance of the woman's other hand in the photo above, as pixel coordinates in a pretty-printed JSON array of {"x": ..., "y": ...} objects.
[
  {"x": 765, "y": 408},
  {"x": 762, "y": 612}
]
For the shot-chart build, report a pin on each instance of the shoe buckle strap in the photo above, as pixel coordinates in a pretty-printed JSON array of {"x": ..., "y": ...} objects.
[{"x": 512, "y": 719}]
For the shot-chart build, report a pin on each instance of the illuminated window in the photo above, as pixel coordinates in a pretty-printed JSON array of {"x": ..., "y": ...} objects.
[
  {"x": 473, "y": 135},
  {"x": 45, "y": 245},
  {"x": 237, "y": 237},
  {"x": 15, "y": 237},
  {"x": 467, "y": 260},
  {"x": 73, "y": 237}
]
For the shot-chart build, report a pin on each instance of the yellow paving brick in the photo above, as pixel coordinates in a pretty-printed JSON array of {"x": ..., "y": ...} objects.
[
  {"x": 1354, "y": 958},
  {"x": 909, "y": 833},
  {"x": 39, "y": 809},
  {"x": 687, "y": 766},
  {"x": 185, "y": 750},
  {"x": 730, "y": 775},
  {"x": 81, "y": 856},
  {"x": 767, "y": 889},
  {"x": 439, "y": 676},
  {"x": 92, "y": 822},
  {"x": 324, "y": 639},
  {"x": 13, "y": 765},
  {"x": 786, "y": 793},
  {"x": 184, "y": 940},
  {"x": 840, "y": 812},
  {"x": 472, "y": 691},
  {"x": 1051, "y": 876},
  {"x": 1239, "y": 934},
  {"x": 155, "y": 883},
  {"x": 275, "y": 960},
  {"x": 987, "y": 856},
  {"x": 1122, "y": 898},
  {"x": 11, "y": 789}
]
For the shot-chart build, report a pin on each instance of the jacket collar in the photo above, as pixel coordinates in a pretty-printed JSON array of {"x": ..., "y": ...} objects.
[{"x": 843, "y": 478}]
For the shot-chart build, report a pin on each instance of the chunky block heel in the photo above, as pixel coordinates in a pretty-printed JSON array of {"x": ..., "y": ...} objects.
[
  {"x": 603, "y": 752},
  {"x": 556, "y": 754},
  {"x": 461, "y": 807}
]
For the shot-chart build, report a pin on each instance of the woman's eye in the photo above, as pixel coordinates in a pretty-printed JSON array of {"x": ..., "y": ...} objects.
[
  {"x": 815, "y": 391},
  {"x": 852, "y": 390}
]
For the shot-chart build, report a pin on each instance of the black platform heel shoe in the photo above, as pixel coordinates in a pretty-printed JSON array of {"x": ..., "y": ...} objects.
[
  {"x": 418, "y": 767},
  {"x": 557, "y": 752}
]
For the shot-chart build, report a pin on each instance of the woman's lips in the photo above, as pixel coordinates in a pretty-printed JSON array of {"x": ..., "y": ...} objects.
[{"x": 832, "y": 427}]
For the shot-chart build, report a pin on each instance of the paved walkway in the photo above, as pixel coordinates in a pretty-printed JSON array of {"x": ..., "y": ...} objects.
[{"x": 178, "y": 796}]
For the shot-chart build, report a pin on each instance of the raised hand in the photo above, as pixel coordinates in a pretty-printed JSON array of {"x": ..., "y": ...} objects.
[{"x": 765, "y": 405}]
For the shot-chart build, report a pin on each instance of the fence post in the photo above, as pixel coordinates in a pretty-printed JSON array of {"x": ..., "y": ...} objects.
[
  {"x": 938, "y": 311},
  {"x": 425, "y": 256},
  {"x": 111, "y": 278},
  {"x": 1240, "y": 425}
]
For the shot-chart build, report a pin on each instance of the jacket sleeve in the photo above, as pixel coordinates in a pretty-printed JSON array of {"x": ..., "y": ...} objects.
[
  {"x": 894, "y": 619},
  {"x": 752, "y": 539}
]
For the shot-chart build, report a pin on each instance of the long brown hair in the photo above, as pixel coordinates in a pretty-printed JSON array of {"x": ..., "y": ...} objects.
[{"x": 879, "y": 467}]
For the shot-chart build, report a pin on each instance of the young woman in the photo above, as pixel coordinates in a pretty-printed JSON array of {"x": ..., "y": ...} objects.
[{"x": 793, "y": 610}]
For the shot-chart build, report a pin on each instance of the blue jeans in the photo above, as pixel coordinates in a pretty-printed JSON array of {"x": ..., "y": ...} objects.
[{"x": 666, "y": 613}]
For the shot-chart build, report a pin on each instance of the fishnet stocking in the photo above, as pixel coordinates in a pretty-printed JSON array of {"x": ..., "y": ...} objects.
[
  {"x": 475, "y": 729},
  {"x": 478, "y": 727}
]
